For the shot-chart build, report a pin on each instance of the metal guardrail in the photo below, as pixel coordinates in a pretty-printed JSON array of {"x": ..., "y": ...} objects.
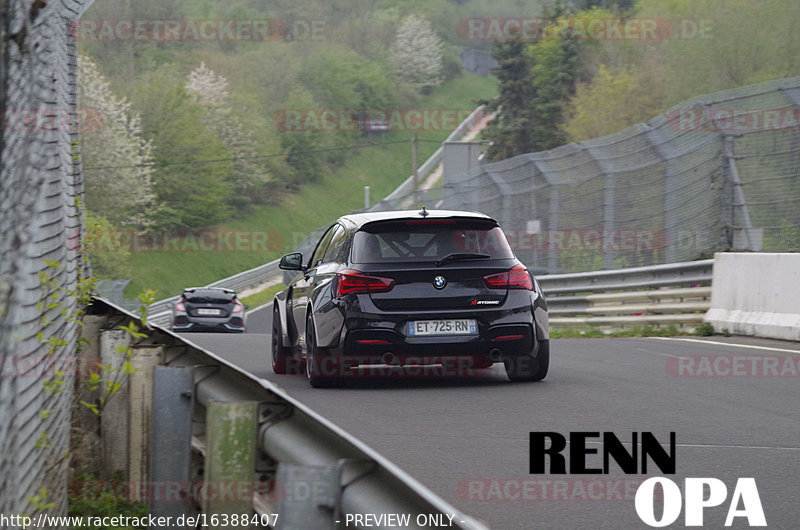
[
  {"x": 239, "y": 426},
  {"x": 160, "y": 312},
  {"x": 671, "y": 294}
]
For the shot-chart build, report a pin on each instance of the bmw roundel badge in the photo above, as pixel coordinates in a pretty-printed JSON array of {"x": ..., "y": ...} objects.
[{"x": 439, "y": 282}]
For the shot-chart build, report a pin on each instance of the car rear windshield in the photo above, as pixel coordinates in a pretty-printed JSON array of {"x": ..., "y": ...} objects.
[
  {"x": 428, "y": 240},
  {"x": 208, "y": 296}
]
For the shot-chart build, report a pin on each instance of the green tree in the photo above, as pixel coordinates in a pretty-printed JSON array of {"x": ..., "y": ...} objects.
[
  {"x": 210, "y": 91},
  {"x": 300, "y": 146},
  {"x": 607, "y": 104},
  {"x": 194, "y": 192},
  {"x": 339, "y": 81},
  {"x": 119, "y": 183},
  {"x": 417, "y": 53},
  {"x": 341, "y": 78},
  {"x": 536, "y": 81},
  {"x": 511, "y": 128}
]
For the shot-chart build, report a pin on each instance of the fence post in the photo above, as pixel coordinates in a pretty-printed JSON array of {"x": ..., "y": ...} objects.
[
  {"x": 739, "y": 200},
  {"x": 671, "y": 189},
  {"x": 609, "y": 204},
  {"x": 552, "y": 215},
  {"x": 505, "y": 198}
]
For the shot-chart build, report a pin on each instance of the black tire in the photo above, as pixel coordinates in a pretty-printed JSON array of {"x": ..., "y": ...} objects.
[
  {"x": 527, "y": 367},
  {"x": 280, "y": 353},
  {"x": 314, "y": 360}
]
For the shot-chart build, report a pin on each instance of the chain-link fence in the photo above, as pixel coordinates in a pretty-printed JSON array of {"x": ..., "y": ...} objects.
[
  {"x": 39, "y": 251},
  {"x": 717, "y": 172}
]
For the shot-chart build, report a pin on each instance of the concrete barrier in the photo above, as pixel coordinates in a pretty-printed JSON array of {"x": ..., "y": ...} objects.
[{"x": 756, "y": 294}]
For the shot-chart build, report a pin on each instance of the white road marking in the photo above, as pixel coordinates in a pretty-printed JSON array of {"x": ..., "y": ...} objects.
[{"x": 717, "y": 343}]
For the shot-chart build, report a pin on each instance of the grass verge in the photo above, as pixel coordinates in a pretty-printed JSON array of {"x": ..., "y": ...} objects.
[
  {"x": 262, "y": 297},
  {"x": 593, "y": 332}
]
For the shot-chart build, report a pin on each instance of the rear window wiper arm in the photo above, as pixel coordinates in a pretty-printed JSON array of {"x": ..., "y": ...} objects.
[{"x": 461, "y": 256}]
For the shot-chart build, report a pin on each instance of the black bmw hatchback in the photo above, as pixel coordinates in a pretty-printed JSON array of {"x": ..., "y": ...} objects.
[{"x": 410, "y": 288}]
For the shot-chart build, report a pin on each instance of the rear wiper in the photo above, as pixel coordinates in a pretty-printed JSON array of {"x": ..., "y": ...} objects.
[{"x": 461, "y": 256}]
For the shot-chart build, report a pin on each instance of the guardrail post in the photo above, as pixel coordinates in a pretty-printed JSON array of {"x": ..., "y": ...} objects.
[
  {"x": 308, "y": 496},
  {"x": 140, "y": 400},
  {"x": 114, "y": 419},
  {"x": 171, "y": 441},
  {"x": 230, "y": 459}
]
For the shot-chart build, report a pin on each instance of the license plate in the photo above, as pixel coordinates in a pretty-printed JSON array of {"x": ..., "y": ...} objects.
[
  {"x": 204, "y": 311},
  {"x": 419, "y": 328}
]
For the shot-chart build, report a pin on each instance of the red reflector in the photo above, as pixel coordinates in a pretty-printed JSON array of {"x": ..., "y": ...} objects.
[
  {"x": 508, "y": 337},
  {"x": 372, "y": 341}
]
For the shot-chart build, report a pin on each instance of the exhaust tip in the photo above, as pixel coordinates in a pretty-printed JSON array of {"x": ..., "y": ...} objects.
[
  {"x": 389, "y": 358},
  {"x": 495, "y": 354}
]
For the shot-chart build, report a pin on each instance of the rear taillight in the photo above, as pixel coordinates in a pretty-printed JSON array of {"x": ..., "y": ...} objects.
[
  {"x": 516, "y": 278},
  {"x": 180, "y": 307},
  {"x": 238, "y": 307},
  {"x": 355, "y": 282}
]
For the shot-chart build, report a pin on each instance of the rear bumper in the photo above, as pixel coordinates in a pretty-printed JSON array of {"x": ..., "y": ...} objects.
[
  {"x": 493, "y": 341},
  {"x": 208, "y": 325},
  {"x": 355, "y": 327}
]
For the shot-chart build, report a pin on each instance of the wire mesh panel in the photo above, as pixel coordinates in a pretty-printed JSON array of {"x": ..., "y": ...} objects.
[
  {"x": 39, "y": 250},
  {"x": 717, "y": 172}
]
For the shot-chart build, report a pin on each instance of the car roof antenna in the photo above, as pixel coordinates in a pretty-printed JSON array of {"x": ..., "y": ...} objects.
[{"x": 424, "y": 212}]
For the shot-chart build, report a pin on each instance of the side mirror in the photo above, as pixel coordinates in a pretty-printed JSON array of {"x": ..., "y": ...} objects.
[{"x": 292, "y": 262}]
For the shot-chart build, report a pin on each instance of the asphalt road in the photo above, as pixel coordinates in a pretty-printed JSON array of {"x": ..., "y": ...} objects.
[{"x": 468, "y": 439}]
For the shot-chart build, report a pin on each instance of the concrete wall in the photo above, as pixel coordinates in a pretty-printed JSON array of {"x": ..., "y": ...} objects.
[{"x": 756, "y": 294}]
